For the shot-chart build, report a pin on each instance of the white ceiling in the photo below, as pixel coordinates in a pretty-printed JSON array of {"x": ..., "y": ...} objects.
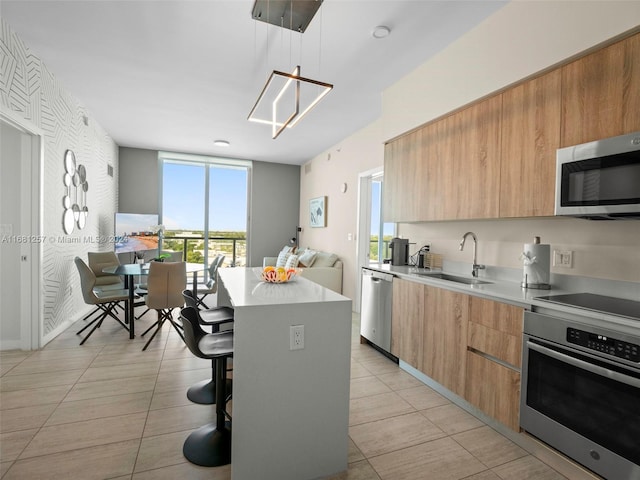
[{"x": 177, "y": 75}]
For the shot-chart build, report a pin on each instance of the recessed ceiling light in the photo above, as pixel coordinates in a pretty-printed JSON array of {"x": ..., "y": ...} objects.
[
  {"x": 381, "y": 31},
  {"x": 221, "y": 143}
]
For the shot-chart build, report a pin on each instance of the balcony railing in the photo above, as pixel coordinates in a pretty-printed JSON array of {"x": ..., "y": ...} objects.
[
  {"x": 192, "y": 247},
  {"x": 373, "y": 250}
]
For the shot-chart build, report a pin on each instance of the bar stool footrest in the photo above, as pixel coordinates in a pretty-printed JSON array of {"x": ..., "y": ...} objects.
[{"x": 204, "y": 392}]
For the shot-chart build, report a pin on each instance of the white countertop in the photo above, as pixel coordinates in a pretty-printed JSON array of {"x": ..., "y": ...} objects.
[
  {"x": 247, "y": 289},
  {"x": 508, "y": 292}
]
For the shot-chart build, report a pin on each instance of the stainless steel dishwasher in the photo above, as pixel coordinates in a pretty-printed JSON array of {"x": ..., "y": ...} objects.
[{"x": 375, "y": 308}]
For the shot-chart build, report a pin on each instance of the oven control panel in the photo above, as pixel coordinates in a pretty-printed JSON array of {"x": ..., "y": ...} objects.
[{"x": 604, "y": 344}]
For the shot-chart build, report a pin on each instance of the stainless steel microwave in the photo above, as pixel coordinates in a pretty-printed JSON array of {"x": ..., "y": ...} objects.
[{"x": 600, "y": 180}]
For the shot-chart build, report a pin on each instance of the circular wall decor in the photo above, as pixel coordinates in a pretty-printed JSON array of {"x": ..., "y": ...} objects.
[
  {"x": 76, "y": 211},
  {"x": 70, "y": 162}
]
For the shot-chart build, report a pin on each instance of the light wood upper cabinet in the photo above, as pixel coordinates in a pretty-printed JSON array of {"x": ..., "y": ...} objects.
[
  {"x": 437, "y": 182},
  {"x": 403, "y": 173},
  {"x": 445, "y": 337},
  {"x": 407, "y": 321},
  {"x": 530, "y": 137},
  {"x": 601, "y": 94},
  {"x": 446, "y": 170},
  {"x": 472, "y": 190},
  {"x": 496, "y": 158}
]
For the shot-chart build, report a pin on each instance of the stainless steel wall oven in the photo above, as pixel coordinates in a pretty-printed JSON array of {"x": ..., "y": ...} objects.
[{"x": 581, "y": 390}]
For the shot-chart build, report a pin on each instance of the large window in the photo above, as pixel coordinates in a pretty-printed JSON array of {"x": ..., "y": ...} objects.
[{"x": 204, "y": 207}]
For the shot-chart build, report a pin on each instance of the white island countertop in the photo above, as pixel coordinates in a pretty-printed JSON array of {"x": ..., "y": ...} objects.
[
  {"x": 246, "y": 289},
  {"x": 290, "y": 406}
]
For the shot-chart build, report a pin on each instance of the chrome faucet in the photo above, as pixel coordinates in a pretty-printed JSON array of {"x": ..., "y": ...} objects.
[{"x": 475, "y": 267}]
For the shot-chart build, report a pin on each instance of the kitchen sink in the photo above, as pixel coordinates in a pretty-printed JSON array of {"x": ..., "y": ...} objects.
[{"x": 453, "y": 278}]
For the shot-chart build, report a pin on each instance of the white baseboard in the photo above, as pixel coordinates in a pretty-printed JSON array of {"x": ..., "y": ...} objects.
[{"x": 57, "y": 331}]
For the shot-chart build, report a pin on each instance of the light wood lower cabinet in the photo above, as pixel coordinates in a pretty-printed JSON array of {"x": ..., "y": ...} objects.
[
  {"x": 446, "y": 318},
  {"x": 470, "y": 345},
  {"x": 495, "y": 328},
  {"x": 494, "y": 358},
  {"x": 407, "y": 321},
  {"x": 494, "y": 389}
]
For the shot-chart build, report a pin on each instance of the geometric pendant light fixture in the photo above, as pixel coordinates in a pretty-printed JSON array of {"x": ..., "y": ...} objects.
[{"x": 286, "y": 97}]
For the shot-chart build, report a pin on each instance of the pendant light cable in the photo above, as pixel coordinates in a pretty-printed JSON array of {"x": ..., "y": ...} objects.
[{"x": 290, "y": 34}]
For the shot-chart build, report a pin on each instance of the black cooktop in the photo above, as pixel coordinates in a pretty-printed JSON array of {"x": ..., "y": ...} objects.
[{"x": 598, "y": 303}]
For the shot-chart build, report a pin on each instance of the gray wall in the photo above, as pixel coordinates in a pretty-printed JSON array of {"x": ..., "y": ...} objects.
[
  {"x": 138, "y": 181},
  {"x": 273, "y": 212}
]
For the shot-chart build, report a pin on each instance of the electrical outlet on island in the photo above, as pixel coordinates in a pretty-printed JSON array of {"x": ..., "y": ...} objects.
[{"x": 296, "y": 337}]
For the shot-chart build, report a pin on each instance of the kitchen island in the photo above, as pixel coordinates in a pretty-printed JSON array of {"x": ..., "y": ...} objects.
[{"x": 290, "y": 407}]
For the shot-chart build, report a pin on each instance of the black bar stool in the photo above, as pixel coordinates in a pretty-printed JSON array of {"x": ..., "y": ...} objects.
[
  {"x": 204, "y": 392},
  {"x": 209, "y": 445}
]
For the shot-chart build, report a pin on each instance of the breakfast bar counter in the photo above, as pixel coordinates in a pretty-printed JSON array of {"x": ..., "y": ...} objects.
[{"x": 290, "y": 407}]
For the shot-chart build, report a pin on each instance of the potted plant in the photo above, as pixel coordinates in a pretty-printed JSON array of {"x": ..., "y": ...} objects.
[{"x": 161, "y": 257}]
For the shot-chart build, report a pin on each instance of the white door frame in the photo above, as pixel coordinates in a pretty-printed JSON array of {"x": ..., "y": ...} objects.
[
  {"x": 364, "y": 227},
  {"x": 31, "y": 188}
]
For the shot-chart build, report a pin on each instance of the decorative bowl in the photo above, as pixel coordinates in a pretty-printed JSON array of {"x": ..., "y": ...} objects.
[{"x": 277, "y": 274}]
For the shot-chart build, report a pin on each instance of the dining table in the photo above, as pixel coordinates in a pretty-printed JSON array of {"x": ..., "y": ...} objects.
[{"x": 131, "y": 270}]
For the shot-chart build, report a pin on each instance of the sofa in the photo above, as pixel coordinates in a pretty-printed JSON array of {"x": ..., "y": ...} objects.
[{"x": 320, "y": 267}]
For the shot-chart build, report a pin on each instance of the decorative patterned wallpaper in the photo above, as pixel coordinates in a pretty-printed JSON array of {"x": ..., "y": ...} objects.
[{"x": 31, "y": 91}]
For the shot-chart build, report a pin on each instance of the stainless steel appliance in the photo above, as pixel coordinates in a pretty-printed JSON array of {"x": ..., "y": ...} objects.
[
  {"x": 375, "y": 308},
  {"x": 581, "y": 383},
  {"x": 399, "y": 251},
  {"x": 600, "y": 180}
]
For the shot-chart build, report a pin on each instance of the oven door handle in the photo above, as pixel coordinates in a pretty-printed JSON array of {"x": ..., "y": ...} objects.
[{"x": 576, "y": 362}]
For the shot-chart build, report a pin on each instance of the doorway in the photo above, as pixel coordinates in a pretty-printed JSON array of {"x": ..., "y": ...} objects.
[
  {"x": 20, "y": 234},
  {"x": 374, "y": 234}
]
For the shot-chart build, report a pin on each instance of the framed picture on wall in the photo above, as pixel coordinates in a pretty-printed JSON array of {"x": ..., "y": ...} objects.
[{"x": 318, "y": 212}]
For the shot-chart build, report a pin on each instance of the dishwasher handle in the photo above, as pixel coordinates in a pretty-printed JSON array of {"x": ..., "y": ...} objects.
[{"x": 377, "y": 276}]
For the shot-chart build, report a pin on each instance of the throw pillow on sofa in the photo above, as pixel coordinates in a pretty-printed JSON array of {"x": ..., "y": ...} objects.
[
  {"x": 324, "y": 259},
  {"x": 282, "y": 259},
  {"x": 292, "y": 261},
  {"x": 288, "y": 249},
  {"x": 306, "y": 258}
]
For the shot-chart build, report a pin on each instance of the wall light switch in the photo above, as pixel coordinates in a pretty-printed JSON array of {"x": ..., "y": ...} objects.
[{"x": 563, "y": 258}]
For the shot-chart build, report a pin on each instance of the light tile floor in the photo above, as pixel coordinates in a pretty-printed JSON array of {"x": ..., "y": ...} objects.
[{"x": 107, "y": 410}]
